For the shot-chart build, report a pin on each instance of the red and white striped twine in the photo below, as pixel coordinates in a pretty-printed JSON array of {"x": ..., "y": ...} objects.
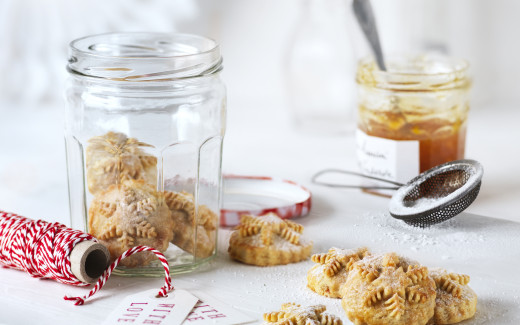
[
  {"x": 101, "y": 282},
  {"x": 42, "y": 249}
]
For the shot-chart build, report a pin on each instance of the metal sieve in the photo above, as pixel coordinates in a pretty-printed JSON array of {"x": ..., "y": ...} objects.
[{"x": 435, "y": 195}]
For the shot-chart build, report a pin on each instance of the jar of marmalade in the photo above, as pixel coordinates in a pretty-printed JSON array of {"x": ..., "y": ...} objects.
[{"x": 411, "y": 117}]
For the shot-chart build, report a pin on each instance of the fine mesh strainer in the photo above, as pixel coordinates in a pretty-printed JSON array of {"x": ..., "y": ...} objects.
[{"x": 436, "y": 195}]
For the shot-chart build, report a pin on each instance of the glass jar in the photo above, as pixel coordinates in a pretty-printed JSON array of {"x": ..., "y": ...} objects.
[
  {"x": 144, "y": 130},
  {"x": 411, "y": 117}
]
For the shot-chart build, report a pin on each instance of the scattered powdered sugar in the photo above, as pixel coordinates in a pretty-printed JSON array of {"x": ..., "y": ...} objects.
[
  {"x": 453, "y": 238},
  {"x": 486, "y": 249}
]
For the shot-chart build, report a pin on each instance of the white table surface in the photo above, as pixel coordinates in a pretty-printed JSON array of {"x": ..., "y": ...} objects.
[{"x": 260, "y": 141}]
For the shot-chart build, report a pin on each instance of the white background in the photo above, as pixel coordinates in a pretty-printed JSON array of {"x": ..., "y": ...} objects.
[{"x": 254, "y": 36}]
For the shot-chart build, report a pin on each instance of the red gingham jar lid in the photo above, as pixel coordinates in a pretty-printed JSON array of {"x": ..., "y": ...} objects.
[{"x": 258, "y": 195}]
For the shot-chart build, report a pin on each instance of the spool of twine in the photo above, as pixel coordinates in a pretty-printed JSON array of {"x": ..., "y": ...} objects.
[{"x": 53, "y": 251}]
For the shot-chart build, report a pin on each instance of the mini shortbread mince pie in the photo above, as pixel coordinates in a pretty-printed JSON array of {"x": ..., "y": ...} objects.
[
  {"x": 330, "y": 273},
  {"x": 389, "y": 290},
  {"x": 113, "y": 158},
  {"x": 268, "y": 240},
  {"x": 293, "y": 314},
  {"x": 190, "y": 222},
  {"x": 455, "y": 301},
  {"x": 131, "y": 214}
]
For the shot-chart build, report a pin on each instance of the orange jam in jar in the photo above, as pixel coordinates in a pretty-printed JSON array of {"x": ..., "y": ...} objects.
[{"x": 411, "y": 117}]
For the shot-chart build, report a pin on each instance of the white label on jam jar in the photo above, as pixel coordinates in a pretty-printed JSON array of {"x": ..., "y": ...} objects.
[{"x": 388, "y": 159}]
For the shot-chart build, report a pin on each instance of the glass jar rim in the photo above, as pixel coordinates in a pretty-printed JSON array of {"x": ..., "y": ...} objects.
[
  {"x": 144, "y": 56},
  {"x": 415, "y": 72}
]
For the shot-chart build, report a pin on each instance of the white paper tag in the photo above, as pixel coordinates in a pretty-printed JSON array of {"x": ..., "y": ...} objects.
[
  {"x": 145, "y": 308},
  {"x": 396, "y": 160},
  {"x": 210, "y": 310}
]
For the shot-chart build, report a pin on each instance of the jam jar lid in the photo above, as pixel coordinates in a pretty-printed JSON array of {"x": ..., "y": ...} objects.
[{"x": 419, "y": 72}]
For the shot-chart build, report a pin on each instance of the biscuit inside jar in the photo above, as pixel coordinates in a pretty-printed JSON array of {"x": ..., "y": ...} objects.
[
  {"x": 195, "y": 227},
  {"x": 128, "y": 209},
  {"x": 114, "y": 158},
  {"x": 128, "y": 215}
]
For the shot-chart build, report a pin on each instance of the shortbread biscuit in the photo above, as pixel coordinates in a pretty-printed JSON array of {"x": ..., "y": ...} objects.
[
  {"x": 268, "y": 240},
  {"x": 190, "y": 222},
  {"x": 291, "y": 313},
  {"x": 388, "y": 289},
  {"x": 330, "y": 273},
  {"x": 455, "y": 301},
  {"x": 113, "y": 158},
  {"x": 131, "y": 214}
]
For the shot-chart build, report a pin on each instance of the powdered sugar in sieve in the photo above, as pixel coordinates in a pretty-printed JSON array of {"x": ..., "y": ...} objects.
[{"x": 438, "y": 194}]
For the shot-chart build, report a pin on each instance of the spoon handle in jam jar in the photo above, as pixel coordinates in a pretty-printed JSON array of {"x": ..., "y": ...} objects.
[{"x": 367, "y": 22}]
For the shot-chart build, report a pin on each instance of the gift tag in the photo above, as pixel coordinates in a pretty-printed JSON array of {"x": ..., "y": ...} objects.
[
  {"x": 210, "y": 310},
  {"x": 146, "y": 308}
]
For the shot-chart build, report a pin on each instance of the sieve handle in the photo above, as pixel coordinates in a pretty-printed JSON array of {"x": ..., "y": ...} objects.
[{"x": 348, "y": 172}]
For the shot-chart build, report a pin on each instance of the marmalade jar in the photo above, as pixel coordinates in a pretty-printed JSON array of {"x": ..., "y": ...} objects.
[
  {"x": 411, "y": 117},
  {"x": 144, "y": 131}
]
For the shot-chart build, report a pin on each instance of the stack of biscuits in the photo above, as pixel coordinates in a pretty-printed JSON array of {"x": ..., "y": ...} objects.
[
  {"x": 127, "y": 209},
  {"x": 390, "y": 289}
]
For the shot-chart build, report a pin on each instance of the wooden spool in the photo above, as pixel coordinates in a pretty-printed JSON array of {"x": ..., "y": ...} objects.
[{"x": 88, "y": 260}]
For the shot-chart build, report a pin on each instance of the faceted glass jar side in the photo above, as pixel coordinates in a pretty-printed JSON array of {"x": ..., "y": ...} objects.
[{"x": 144, "y": 133}]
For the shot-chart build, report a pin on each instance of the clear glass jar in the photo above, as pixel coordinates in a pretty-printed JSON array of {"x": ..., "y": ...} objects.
[
  {"x": 411, "y": 117},
  {"x": 144, "y": 130}
]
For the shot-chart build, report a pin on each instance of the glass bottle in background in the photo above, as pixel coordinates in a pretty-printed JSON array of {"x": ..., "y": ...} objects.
[{"x": 319, "y": 69}]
